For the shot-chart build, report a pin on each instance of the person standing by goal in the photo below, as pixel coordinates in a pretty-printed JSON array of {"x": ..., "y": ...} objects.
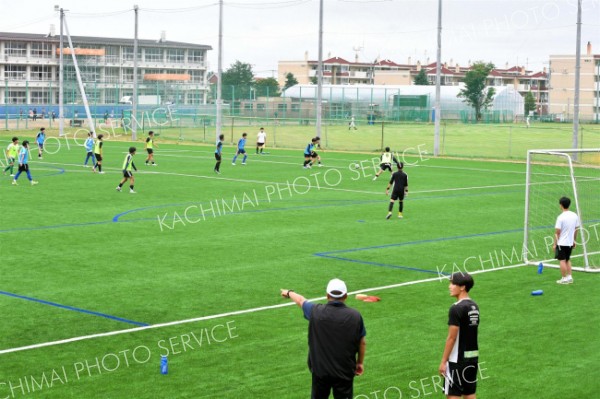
[{"x": 566, "y": 227}]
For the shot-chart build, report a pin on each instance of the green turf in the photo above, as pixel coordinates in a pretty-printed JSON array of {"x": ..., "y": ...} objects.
[{"x": 59, "y": 242}]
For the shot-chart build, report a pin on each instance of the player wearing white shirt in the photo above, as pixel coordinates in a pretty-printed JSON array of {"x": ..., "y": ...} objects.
[
  {"x": 566, "y": 227},
  {"x": 261, "y": 140}
]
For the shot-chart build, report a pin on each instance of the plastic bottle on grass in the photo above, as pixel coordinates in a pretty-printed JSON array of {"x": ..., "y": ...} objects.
[{"x": 164, "y": 365}]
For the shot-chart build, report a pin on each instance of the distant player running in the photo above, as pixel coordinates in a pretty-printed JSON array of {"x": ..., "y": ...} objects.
[
  {"x": 24, "y": 164},
  {"x": 12, "y": 152},
  {"x": 150, "y": 148},
  {"x": 89, "y": 147},
  {"x": 241, "y": 150},
  {"x": 386, "y": 162},
  {"x": 218, "y": 155},
  {"x": 400, "y": 182},
  {"x": 127, "y": 173},
  {"x": 261, "y": 140},
  {"x": 98, "y": 154},
  {"x": 40, "y": 138},
  {"x": 308, "y": 153}
]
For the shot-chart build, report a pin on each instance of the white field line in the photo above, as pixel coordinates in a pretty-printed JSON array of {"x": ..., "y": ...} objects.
[{"x": 221, "y": 315}]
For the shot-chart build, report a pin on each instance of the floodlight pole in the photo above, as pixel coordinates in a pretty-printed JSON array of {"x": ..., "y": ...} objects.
[
  {"x": 134, "y": 97},
  {"x": 438, "y": 70},
  {"x": 320, "y": 74},
  {"x": 577, "y": 78},
  {"x": 61, "y": 100},
  {"x": 219, "y": 121}
]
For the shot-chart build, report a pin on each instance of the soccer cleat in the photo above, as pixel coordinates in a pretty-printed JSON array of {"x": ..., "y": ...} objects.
[
  {"x": 233, "y": 163},
  {"x": 132, "y": 192},
  {"x": 389, "y": 215},
  {"x": 154, "y": 164},
  {"x": 320, "y": 165},
  {"x": 375, "y": 178},
  {"x": 562, "y": 281},
  {"x": 33, "y": 182},
  {"x": 118, "y": 189},
  {"x": 217, "y": 172},
  {"x": 12, "y": 175},
  {"x": 243, "y": 163},
  {"x": 400, "y": 215},
  {"x": 14, "y": 183},
  {"x": 569, "y": 280},
  {"x": 101, "y": 173}
]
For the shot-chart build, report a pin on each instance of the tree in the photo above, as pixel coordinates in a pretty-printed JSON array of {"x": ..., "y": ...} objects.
[
  {"x": 529, "y": 103},
  {"x": 475, "y": 93},
  {"x": 290, "y": 80},
  {"x": 421, "y": 79},
  {"x": 237, "y": 81},
  {"x": 314, "y": 80},
  {"x": 267, "y": 87}
]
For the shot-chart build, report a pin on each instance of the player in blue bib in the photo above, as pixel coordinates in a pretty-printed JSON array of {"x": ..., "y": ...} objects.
[
  {"x": 241, "y": 150},
  {"x": 24, "y": 164}
]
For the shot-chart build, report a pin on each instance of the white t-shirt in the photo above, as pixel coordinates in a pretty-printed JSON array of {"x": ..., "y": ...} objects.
[
  {"x": 262, "y": 136},
  {"x": 567, "y": 222}
]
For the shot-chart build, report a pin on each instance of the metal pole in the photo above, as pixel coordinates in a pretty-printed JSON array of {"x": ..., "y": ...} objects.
[
  {"x": 220, "y": 71},
  {"x": 81, "y": 88},
  {"x": 61, "y": 100},
  {"x": 577, "y": 78},
  {"x": 134, "y": 98},
  {"x": 320, "y": 73},
  {"x": 438, "y": 68}
]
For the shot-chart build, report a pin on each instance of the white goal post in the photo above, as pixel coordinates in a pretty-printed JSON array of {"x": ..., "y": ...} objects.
[{"x": 552, "y": 174}]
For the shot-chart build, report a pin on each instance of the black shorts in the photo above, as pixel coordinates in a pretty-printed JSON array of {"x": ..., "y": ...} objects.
[
  {"x": 150, "y": 150},
  {"x": 397, "y": 195},
  {"x": 127, "y": 174},
  {"x": 24, "y": 167},
  {"x": 98, "y": 157},
  {"x": 41, "y": 146},
  {"x": 217, "y": 156},
  {"x": 241, "y": 151},
  {"x": 259, "y": 144},
  {"x": 463, "y": 379},
  {"x": 322, "y": 386},
  {"x": 386, "y": 166},
  {"x": 314, "y": 154},
  {"x": 563, "y": 252}
]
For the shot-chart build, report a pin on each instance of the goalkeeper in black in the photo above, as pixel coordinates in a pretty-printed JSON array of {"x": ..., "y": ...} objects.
[{"x": 400, "y": 182}]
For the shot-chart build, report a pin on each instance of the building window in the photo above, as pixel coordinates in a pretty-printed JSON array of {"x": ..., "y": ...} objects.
[
  {"x": 260, "y": 107},
  {"x": 195, "y": 98},
  {"x": 295, "y": 107},
  {"x": 127, "y": 74},
  {"x": 128, "y": 54},
  {"x": 153, "y": 55},
  {"x": 196, "y": 76},
  {"x": 112, "y": 54},
  {"x": 282, "y": 107},
  {"x": 40, "y": 97},
  {"x": 16, "y": 97},
  {"x": 15, "y": 72},
  {"x": 15, "y": 49},
  {"x": 41, "y": 72},
  {"x": 41, "y": 50},
  {"x": 196, "y": 56},
  {"x": 176, "y": 55},
  {"x": 111, "y": 75}
]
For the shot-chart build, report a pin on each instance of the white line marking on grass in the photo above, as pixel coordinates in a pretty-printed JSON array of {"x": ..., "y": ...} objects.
[{"x": 226, "y": 314}]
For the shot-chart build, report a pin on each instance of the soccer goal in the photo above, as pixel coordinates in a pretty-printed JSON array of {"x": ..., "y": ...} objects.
[{"x": 552, "y": 174}]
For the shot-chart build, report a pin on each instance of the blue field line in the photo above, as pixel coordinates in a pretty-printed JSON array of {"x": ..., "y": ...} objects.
[
  {"x": 58, "y": 305},
  {"x": 401, "y": 244}
]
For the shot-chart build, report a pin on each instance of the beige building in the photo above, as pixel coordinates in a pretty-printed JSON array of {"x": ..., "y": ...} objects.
[
  {"x": 338, "y": 71},
  {"x": 562, "y": 82}
]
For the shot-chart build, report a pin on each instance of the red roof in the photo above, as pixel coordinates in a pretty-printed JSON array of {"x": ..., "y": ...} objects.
[{"x": 336, "y": 60}]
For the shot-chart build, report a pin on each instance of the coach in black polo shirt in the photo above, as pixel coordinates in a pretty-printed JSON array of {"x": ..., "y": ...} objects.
[{"x": 336, "y": 341}]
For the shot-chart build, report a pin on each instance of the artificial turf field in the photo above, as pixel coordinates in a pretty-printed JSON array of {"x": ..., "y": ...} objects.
[{"x": 80, "y": 259}]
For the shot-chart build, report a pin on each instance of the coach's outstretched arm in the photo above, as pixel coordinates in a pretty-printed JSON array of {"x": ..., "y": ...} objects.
[{"x": 297, "y": 298}]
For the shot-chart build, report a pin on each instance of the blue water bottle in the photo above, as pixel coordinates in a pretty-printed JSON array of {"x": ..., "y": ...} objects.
[
  {"x": 164, "y": 365},
  {"x": 540, "y": 268}
]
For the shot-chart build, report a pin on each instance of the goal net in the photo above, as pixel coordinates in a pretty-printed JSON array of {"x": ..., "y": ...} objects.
[{"x": 552, "y": 174}]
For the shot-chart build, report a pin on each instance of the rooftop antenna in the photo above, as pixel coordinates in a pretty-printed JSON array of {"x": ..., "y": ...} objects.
[{"x": 357, "y": 49}]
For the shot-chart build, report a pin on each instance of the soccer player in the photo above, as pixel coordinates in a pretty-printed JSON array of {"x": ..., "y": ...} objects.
[
  {"x": 352, "y": 124},
  {"x": 127, "y": 173},
  {"x": 98, "y": 154},
  {"x": 308, "y": 153},
  {"x": 12, "y": 151},
  {"x": 89, "y": 147},
  {"x": 24, "y": 164},
  {"x": 566, "y": 227},
  {"x": 218, "y": 154},
  {"x": 386, "y": 162},
  {"x": 150, "y": 148},
  {"x": 241, "y": 149},
  {"x": 40, "y": 138},
  {"x": 261, "y": 140},
  {"x": 400, "y": 181},
  {"x": 459, "y": 364}
]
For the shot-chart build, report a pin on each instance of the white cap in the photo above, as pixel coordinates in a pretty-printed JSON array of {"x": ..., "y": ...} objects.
[{"x": 336, "y": 288}]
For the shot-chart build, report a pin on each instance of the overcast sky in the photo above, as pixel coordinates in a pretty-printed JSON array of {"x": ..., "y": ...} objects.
[{"x": 262, "y": 32}]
